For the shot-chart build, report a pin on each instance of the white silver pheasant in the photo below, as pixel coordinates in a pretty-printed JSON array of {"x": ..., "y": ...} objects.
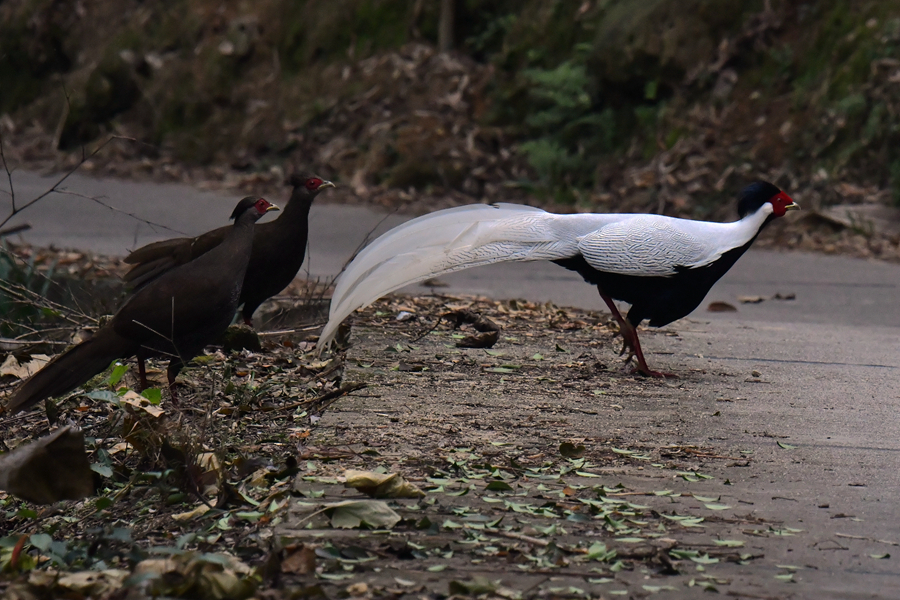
[{"x": 662, "y": 266}]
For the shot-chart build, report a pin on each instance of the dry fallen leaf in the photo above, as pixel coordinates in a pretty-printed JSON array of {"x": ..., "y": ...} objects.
[
  {"x": 721, "y": 307},
  {"x": 358, "y": 589},
  {"x": 121, "y": 447},
  {"x": 24, "y": 370},
  {"x": 50, "y": 469},
  {"x": 94, "y": 584},
  {"x": 196, "y": 575},
  {"x": 300, "y": 561},
  {"x": 382, "y": 485},
  {"x": 751, "y": 299},
  {"x": 199, "y": 511},
  {"x": 134, "y": 399},
  {"x": 351, "y": 514}
]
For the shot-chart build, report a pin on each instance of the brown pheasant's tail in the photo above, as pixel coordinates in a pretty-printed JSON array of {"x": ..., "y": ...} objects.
[{"x": 71, "y": 369}]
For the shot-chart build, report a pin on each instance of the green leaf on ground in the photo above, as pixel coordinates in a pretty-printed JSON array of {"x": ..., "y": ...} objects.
[
  {"x": 117, "y": 373},
  {"x": 477, "y": 586},
  {"x": 153, "y": 395},
  {"x": 354, "y": 513},
  {"x": 102, "y": 470}
]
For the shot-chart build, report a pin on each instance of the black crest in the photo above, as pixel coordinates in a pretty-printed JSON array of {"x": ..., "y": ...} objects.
[
  {"x": 754, "y": 196},
  {"x": 243, "y": 206}
]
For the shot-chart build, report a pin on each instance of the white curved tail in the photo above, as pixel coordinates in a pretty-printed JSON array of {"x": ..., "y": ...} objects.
[{"x": 452, "y": 240}]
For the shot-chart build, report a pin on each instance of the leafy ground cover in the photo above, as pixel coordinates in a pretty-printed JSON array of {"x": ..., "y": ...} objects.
[{"x": 524, "y": 470}]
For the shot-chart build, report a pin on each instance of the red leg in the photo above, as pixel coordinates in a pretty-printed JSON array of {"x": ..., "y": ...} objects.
[
  {"x": 630, "y": 339},
  {"x": 142, "y": 374},
  {"x": 248, "y": 321}
]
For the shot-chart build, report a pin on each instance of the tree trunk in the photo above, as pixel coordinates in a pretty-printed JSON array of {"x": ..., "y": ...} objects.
[{"x": 446, "y": 25}]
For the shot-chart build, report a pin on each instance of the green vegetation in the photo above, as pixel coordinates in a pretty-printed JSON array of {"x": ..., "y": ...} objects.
[
  {"x": 31, "y": 51},
  {"x": 576, "y": 87},
  {"x": 19, "y": 284}
]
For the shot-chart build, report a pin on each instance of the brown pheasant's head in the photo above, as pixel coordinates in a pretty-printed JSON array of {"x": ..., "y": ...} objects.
[
  {"x": 251, "y": 204},
  {"x": 307, "y": 185}
]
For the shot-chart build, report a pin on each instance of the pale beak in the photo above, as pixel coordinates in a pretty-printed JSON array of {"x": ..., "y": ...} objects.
[
  {"x": 792, "y": 206},
  {"x": 272, "y": 207},
  {"x": 325, "y": 184}
]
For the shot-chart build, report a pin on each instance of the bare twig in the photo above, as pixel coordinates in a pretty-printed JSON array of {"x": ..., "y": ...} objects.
[
  {"x": 55, "y": 188},
  {"x": 12, "y": 191},
  {"x": 859, "y": 537},
  {"x": 156, "y": 349},
  {"x": 24, "y": 295},
  {"x": 4, "y": 341},
  {"x": 332, "y": 395},
  {"x": 98, "y": 200},
  {"x": 363, "y": 243},
  {"x": 14, "y": 229},
  {"x": 287, "y": 331},
  {"x": 84, "y": 158}
]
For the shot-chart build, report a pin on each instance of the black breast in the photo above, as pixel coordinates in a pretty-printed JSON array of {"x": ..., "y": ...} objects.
[{"x": 659, "y": 299}]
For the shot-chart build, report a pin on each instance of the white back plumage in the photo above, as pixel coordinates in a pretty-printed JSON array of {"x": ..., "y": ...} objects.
[{"x": 475, "y": 235}]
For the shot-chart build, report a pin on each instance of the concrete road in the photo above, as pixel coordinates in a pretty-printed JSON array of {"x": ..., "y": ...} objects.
[
  {"x": 828, "y": 289},
  {"x": 830, "y": 358}
]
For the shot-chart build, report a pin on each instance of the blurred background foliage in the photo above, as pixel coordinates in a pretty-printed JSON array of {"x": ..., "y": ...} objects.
[{"x": 667, "y": 104}]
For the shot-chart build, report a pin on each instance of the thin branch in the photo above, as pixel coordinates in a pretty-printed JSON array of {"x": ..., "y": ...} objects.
[
  {"x": 26, "y": 296},
  {"x": 22, "y": 337},
  {"x": 15, "y": 342},
  {"x": 287, "y": 331},
  {"x": 84, "y": 158},
  {"x": 14, "y": 229},
  {"x": 321, "y": 400},
  {"x": 12, "y": 191},
  {"x": 31, "y": 269},
  {"x": 369, "y": 234},
  {"x": 98, "y": 200},
  {"x": 362, "y": 244}
]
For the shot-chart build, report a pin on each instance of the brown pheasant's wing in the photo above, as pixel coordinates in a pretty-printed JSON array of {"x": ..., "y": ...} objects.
[
  {"x": 157, "y": 250},
  {"x": 196, "y": 300},
  {"x": 157, "y": 258},
  {"x": 209, "y": 240}
]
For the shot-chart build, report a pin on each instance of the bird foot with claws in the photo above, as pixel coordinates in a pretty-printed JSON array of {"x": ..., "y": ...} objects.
[{"x": 649, "y": 373}]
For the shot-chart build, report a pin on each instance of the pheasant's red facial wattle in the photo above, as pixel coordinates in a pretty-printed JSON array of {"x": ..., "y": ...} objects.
[
  {"x": 263, "y": 206},
  {"x": 781, "y": 203},
  {"x": 313, "y": 183}
]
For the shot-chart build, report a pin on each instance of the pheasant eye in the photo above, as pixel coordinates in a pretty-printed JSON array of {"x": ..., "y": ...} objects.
[{"x": 313, "y": 183}]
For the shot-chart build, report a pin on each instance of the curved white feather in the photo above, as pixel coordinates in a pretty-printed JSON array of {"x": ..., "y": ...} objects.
[
  {"x": 470, "y": 236},
  {"x": 452, "y": 240}
]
